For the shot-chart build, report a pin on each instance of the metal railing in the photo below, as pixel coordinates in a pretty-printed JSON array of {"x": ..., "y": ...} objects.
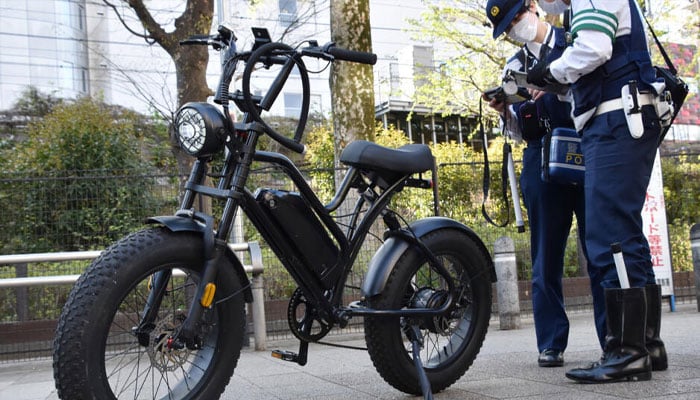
[{"x": 255, "y": 269}]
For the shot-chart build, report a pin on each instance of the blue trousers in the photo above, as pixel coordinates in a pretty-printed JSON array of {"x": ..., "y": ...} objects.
[
  {"x": 618, "y": 168},
  {"x": 550, "y": 210}
]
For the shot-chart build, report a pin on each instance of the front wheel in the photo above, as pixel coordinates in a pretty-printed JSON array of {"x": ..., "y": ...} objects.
[
  {"x": 450, "y": 342},
  {"x": 104, "y": 350}
]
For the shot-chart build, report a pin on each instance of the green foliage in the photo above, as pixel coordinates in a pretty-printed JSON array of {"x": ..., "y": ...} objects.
[
  {"x": 320, "y": 159},
  {"x": 677, "y": 24},
  {"x": 679, "y": 240},
  {"x": 34, "y": 103},
  {"x": 469, "y": 60},
  {"x": 65, "y": 207},
  {"x": 80, "y": 136},
  {"x": 681, "y": 178}
]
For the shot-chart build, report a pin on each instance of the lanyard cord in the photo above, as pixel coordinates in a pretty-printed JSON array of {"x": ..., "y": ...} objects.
[{"x": 487, "y": 173}]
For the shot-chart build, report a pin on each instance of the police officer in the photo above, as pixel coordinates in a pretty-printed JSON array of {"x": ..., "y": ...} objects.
[
  {"x": 550, "y": 206},
  {"x": 614, "y": 89}
]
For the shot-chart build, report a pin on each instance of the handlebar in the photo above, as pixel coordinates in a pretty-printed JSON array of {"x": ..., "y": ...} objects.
[
  {"x": 195, "y": 40},
  {"x": 268, "y": 54},
  {"x": 331, "y": 52},
  {"x": 351, "y": 55}
]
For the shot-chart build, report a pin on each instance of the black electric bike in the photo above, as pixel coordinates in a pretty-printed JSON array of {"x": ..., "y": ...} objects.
[{"x": 160, "y": 314}]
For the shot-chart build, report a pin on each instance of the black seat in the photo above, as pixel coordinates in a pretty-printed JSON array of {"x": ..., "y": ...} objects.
[{"x": 408, "y": 159}]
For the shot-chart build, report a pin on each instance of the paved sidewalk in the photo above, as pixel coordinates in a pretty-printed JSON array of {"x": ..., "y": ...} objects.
[{"x": 506, "y": 368}]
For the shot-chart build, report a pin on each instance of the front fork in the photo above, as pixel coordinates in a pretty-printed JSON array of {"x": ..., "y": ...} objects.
[
  {"x": 186, "y": 335},
  {"x": 157, "y": 286}
]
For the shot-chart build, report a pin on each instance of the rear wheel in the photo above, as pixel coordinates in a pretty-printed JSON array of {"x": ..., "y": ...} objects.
[
  {"x": 450, "y": 342},
  {"x": 99, "y": 352}
]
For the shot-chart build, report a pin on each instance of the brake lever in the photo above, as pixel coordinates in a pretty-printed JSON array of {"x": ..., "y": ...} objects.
[
  {"x": 314, "y": 50},
  {"x": 216, "y": 44}
]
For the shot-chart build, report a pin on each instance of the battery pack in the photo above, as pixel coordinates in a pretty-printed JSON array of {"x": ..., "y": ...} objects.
[
  {"x": 562, "y": 158},
  {"x": 304, "y": 231}
]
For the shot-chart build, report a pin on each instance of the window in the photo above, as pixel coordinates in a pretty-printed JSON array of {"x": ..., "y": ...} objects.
[
  {"x": 394, "y": 79},
  {"x": 78, "y": 17},
  {"x": 288, "y": 11},
  {"x": 292, "y": 105},
  {"x": 316, "y": 104},
  {"x": 84, "y": 80},
  {"x": 71, "y": 14}
]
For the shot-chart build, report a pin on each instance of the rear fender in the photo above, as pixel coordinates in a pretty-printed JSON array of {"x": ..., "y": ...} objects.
[
  {"x": 176, "y": 223},
  {"x": 384, "y": 260}
]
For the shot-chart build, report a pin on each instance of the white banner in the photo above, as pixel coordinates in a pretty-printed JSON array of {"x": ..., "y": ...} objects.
[{"x": 656, "y": 229}]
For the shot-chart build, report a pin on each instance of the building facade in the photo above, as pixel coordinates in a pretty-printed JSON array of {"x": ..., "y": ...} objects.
[
  {"x": 43, "y": 43},
  {"x": 70, "y": 48}
]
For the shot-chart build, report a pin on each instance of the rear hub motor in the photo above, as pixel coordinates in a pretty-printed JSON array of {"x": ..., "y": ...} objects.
[{"x": 433, "y": 299}]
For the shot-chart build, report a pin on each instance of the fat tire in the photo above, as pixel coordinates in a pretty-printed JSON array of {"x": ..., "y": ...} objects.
[
  {"x": 388, "y": 347},
  {"x": 81, "y": 334}
]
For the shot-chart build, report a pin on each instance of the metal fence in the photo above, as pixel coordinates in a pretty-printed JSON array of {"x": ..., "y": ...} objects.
[{"x": 87, "y": 210}]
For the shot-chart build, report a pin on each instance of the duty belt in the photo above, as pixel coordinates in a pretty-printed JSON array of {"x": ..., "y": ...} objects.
[{"x": 644, "y": 99}]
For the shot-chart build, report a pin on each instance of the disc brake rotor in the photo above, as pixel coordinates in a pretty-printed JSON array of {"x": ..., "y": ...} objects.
[{"x": 163, "y": 356}]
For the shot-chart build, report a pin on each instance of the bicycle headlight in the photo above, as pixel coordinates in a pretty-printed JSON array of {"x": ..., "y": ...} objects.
[{"x": 200, "y": 129}]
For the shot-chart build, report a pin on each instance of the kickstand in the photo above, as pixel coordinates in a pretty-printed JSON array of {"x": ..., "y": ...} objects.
[{"x": 413, "y": 333}]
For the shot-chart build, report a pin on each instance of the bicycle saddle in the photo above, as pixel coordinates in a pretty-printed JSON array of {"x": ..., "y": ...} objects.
[{"x": 408, "y": 159}]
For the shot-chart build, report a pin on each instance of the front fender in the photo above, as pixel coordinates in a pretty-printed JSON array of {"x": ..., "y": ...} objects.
[
  {"x": 177, "y": 223},
  {"x": 385, "y": 259}
]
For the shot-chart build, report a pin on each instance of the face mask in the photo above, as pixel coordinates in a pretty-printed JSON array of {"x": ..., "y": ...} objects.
[
  {"x": 554, "y": 7},
  {"x": 525, "y": 30}
]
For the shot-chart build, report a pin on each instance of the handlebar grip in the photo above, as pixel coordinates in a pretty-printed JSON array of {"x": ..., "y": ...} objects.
[
  {"x": 195, "y": 39},
  {"x": 352, "y": 55}
]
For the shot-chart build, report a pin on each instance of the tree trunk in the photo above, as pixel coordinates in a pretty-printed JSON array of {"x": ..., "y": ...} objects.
[
  {"x": 191, "y": 68},
  {"x": 352, "y": 84},
  {"x": 190, "y": 61}
]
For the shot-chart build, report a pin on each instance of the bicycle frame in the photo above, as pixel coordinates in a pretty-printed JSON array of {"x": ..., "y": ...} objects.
[
  {"x": 231, "y": 187},
  {"x": 349, "y": 243}
]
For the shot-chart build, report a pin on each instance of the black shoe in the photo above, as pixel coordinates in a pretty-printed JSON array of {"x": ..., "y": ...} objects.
[{"x": 551, "y": 358}]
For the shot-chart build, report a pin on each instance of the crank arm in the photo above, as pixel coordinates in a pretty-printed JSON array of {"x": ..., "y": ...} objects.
[{"x": 302, "y": 356}]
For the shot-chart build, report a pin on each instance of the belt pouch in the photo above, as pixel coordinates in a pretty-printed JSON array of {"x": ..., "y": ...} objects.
[{"x": 562, "y": 158}]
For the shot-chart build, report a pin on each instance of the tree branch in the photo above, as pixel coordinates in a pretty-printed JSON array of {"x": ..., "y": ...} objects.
[
  {"x": 154, "y": 29},
  {"x": 146, "y": 37}
]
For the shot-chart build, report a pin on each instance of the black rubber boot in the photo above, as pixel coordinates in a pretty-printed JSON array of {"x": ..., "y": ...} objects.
[
  {"x": 625, "y": 357},
  {"x": 655, "y": 347}
]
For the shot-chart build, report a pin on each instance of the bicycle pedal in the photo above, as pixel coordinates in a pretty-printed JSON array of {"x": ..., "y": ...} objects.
[{"x": 285, "y": 355}]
